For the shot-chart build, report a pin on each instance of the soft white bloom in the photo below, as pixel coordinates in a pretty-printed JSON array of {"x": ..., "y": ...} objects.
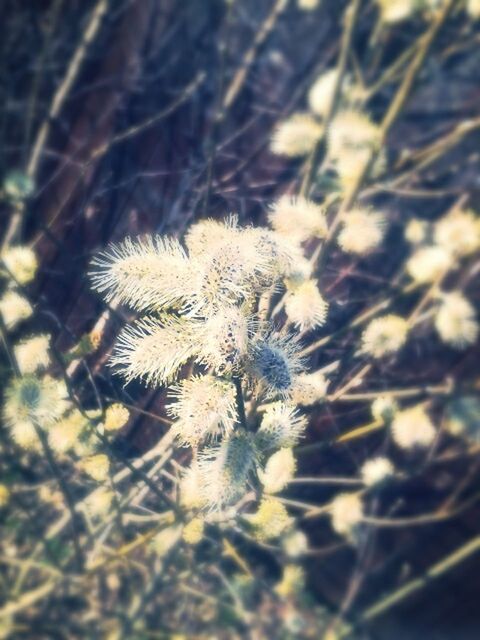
[
  {"x": 396, "y": 10},
  {"x": 270, "y": 520},
  {"x": 166, "y": 540},
  {"x": 428, "y": 264},
  {"x": 14, "y": 308},
  {"x": 458, "y": 232},
  {"x": 154, "y": 349},
  {"x": 384, "y": 408},
  {"x": 456, "y": 320},
  {"x": 282, "y": 426},
  {"x": 309, "y": 388},
  {"x": 32, "y": 354},
  {"x": 297, "y": 136},
  {"x": 224, "y": 339},
  {"x": 29, "y": 399},
  {"x": 206, "y": 236},
  {"x": 376, "y": 471},
  {"x": 473, "y": 9},
  {"x": 96, "y": 466},
  {"x": 362, "y": 231},
  {"x": 346, "y": 513},
  {"x": 385, "y": 335},
  {"x": 308, "y": 5},
  {"x": 205, "y": 407},
  {"x": 352, "y": 132},
  {"x": 65, "y": 433},
  {"x": 225, "y": 469},
  {"x": 24, "y": 434},
  {"x": 321, "y": 94},
  {"x": 98, "y": 503},
  {"x": 416, "y": 231},
  {"x": 306, "y": 307},
  {"x": 412, "y": 428},
  {"x": 193, "y": 531},
  {"x": 279, "y": 470},
  {"x": 275, "y": 362},
  {"x": 295, "y": 544},
  {"x": 298, "y": 218},
  {"x": 21, "y": 262},
  {"x": 116, "y": 417},
  {"x": 147, "y": 273},
  {"x": 191, "y": 495}
]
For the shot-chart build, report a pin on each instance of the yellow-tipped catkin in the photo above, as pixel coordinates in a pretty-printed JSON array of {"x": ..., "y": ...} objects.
[{"x": 116, "y": 417}]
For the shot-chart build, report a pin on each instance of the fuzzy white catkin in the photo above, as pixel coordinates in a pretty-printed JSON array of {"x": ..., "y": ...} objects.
[
  {"x": 346, "y": 512},
  {"x": 458, "y": 232},
  {"x": 362, "y": 231},
  {"x": 456, "y": 321},
  {"x": 298, "y": 218},
  {"x": 321, "y": 93},
  {"x": 427, "y": 264},
  {"x": 305, "y": 306},
  {"x": 309, "y": 388},
  {"x": 392, "y": 11},
  {"x": 32, "y": 354},
  {"x": 385, "y": 335},
  {"x": 279, "y": 470},
  {"x": 376, "y": 471},
  {"x": 297, "y": 136},
  {"x": 21, "y": 262},
  {"x": 413, "y": 428},
  {"x": 282, "y": 426},
  {"x": 14, "y": 308}
]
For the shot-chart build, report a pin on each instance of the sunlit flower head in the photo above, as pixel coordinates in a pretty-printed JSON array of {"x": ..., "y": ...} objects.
[
  {"x": 412, "y": 428},
  {"x": 282, "y": 426},
  {"x": 270, "y": 520},
  {"x": 392, "y": 11},
  {"x": 306, "y": 307},
  {"x": 297, "y": 136},
  {"x": 362, "y": 231},
  {"x": 64, "y": 434},
  {"x": 292, "y": 582},
  {"x": 224, "y": 470},
  {"x": 14, "y": 308},
  {"x": 166, "y": 540},
  {"x": 456, "y": 320},
  {"x": 416, "y": 231},
  {"x": 116, "y": 417},
  {"x": 428, "y": 264},
  {"x": 191, "y": 494},
  {"x": 385, "y": 335},
  {"x": 224, "y": 339},
  {"x": 376, "y": 471},
  {"x": 24, "y": 434},
  {"x": 204, "y": 407},
  {"x": 274, "y": 362},
  {"x": 350, "y": 165},
  {"x": 30, "y": 399},
  {"x": 148, "y": 273},
  {"x": 96, "y": 466},
  {"x": 458, "y": 232},
  {"x": 280, "y": 255},
  {"x": 322, "y": 91},
  {"x": 352, "y": 132},
  {"x": 346, "y": 513},
  {"x": 4, "y": 495},
  {"x": 298, "y": 218},
  {"x": 193, "y": 531},
  {"x": 207, "y": 235},
  {"x": 99, "y": 502},
  {"x": 384, "y": 408},
  {"x": 154, "y": 349},
  {"x": 309, "y": 388},
  {"x": 295, "y": 544},
  {"x": 308, "y": 5},
  {"x": 21, "y": 262},
  {"x": 279, "y": 470},
  {"x": 33, "y": 354},
  {"x": 473, "y": 9}
]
